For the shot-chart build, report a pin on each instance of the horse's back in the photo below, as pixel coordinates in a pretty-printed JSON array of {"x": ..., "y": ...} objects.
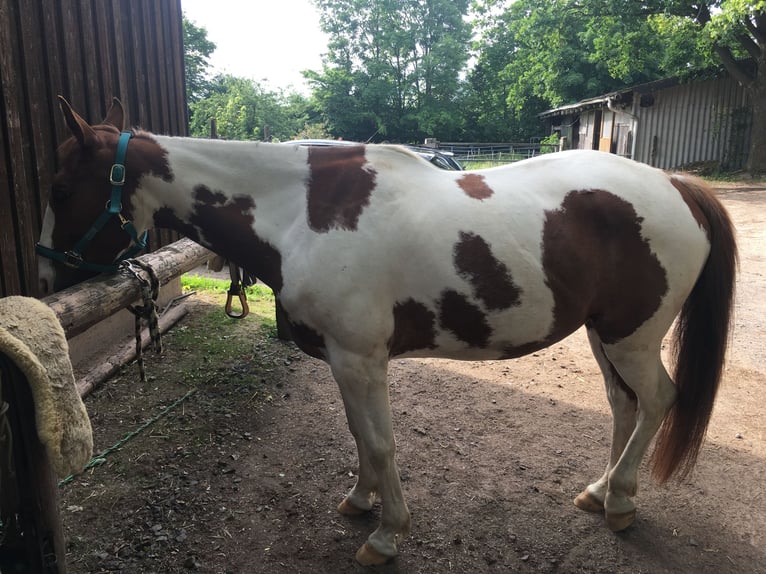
[{"x": 500, "y": 262}]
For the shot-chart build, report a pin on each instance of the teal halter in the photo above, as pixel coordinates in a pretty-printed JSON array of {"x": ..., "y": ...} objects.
[{"x": 73, "y": 257}]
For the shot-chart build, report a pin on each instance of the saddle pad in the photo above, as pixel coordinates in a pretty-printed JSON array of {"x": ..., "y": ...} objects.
[{"x": 31, "y": 336}]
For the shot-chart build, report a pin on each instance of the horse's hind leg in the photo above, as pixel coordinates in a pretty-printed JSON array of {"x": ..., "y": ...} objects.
[
  {"x": 622, "y": 401},
  {"x": 637, "y": 362},
  {"x": 362, "y": 382}
]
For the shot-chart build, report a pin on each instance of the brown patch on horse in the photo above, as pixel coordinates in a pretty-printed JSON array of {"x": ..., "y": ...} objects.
[
  {"x": 464, "y": 319},
  {"x": 683, "y": 185},
  {"x": 339, "y": 187},
  {"x": 414, "y": 328},
  {"x": 144, "y": 157},
  {"x": 229, "y": 229},
  {"x": 475, "y": 186},
  {"x": 598, "y": 231},
  {"x": 490, "y": 278},
  {"x": 165, "y": 218},
  {"x": 307, "y": 339}
]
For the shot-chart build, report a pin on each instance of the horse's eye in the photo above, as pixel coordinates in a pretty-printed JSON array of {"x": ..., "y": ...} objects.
[{"x": 60, "y": 192}]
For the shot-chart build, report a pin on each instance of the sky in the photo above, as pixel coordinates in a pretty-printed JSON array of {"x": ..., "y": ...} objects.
[{"x": 269, "y": 41}]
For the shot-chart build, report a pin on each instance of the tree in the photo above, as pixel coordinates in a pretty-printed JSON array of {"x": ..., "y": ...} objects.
[
  {"x": 693, "y": 36},
  {"x": 244, "y": 110},
  {"x": 735, "y": 31},
  {"x": 393, "y": 67},
  {"x": 537, "y": 54},
  {"x": 197, "y": 50}
]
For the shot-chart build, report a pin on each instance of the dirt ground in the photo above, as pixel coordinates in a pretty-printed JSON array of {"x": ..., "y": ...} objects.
[{"x": 244, "y": 475}]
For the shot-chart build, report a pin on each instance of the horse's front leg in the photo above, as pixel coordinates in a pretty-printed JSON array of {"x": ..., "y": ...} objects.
[
  {"x": 363, "y": 385},
  {"x": 362, "y": 496}
]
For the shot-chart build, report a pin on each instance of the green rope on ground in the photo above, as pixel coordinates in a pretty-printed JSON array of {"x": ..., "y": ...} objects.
[{"x": 100, "y": 458}]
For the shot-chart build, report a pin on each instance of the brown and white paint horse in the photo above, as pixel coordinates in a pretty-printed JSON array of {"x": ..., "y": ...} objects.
[{"x": 375, "y": 254}]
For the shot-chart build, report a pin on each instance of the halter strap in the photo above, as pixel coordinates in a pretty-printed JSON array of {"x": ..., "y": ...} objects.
[{"x": 73, "y": 258}]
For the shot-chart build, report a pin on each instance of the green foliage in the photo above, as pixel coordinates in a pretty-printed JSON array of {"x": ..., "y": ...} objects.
[
  {"x": 313, "y": 131},
  {"x": 260, "y": 299},
  {"x": 549, "y": 144},
  {"x": 197, "y": 50},
  {"x": 393, "y": 67},
  {"x": 538, "y": 54},
  {"x": 244, "y": 110},
  {"x": 398, "y": 70}
]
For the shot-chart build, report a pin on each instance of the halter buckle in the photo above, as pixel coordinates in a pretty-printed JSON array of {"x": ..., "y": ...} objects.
[
  {"x": 72, "y": 259},
  {"x": 117, "y": 174}
]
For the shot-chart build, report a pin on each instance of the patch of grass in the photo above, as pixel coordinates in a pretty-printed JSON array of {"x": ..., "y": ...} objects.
[
  {"x": 200, "y": 283},
  {"x": 260, "y": 300},
  {"x": 737, "y": 177}
]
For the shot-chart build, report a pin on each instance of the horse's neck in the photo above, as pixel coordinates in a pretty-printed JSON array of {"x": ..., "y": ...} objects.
[{"x": 210, "y": 174}]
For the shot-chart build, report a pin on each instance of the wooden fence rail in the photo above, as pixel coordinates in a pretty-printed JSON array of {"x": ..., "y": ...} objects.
[{"x": 85, "y": 304}]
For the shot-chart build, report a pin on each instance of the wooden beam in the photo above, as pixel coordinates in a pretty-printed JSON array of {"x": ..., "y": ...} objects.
[{"x": 85, "y": 304}]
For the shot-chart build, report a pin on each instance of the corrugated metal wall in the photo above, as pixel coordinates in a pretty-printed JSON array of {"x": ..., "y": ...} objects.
[
  {"x": 695, "y": 122},
  {"x": 87, "y": 51}
]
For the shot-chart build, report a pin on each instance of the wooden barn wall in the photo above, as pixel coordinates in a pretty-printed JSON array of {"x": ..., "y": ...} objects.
[
  {"x": 695, "y": 122},
  {"x": 88, "y": 51}
]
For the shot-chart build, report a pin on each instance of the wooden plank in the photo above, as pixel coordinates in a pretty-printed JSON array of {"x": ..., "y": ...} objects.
[
  {"x": 102, "y": 21},
  {"x": 126, "y": 84},
  {"x": 181, "y": 116},
  {"x": 91, "y": 71},
  {"x": 50, "y": 10},
  {"x": 10, "y": 283},
  {"x": 159, "y": 21},
  {"x": 7, "y": 241},
  {"x": 148, "y": 49},
  {"x": 132, "y": 39},
  {"x": 75, "y": 84},
  {"x": 16, "y": 153},
  {"x": 40, "y": 138},
  {"x": 89, "y": 302}
]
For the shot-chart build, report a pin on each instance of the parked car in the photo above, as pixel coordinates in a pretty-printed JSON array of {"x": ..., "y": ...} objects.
[{"x": 440, "y": 159}]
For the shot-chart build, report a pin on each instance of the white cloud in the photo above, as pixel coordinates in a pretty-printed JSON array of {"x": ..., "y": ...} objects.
[{"x": 267, "y": 41}]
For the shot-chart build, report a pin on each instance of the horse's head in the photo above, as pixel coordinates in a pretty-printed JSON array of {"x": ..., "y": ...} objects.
[{"x": 87, "y": 223}]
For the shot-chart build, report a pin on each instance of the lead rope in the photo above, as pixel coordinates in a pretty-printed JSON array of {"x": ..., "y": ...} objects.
[{"x": 148, "y": 311}]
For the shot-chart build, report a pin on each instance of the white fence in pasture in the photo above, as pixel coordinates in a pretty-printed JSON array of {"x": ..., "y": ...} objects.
[{"x": 484, "y": 154}]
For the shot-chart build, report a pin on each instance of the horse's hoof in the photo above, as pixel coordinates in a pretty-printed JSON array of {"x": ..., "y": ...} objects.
[
  {"x": 347, "y": 508},
  {"x": 589, "y": 503},
  {"x": 368, "y": 556},
  {"x": 619, "y": 522}
]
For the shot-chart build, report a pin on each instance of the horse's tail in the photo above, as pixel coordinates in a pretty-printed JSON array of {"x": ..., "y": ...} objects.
[{"x": 701, "y": 337}]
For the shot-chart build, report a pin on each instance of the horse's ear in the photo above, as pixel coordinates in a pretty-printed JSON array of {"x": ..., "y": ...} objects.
[
  {"x": 116, "y": 115},
  {"x": 80, "y": 129}
]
